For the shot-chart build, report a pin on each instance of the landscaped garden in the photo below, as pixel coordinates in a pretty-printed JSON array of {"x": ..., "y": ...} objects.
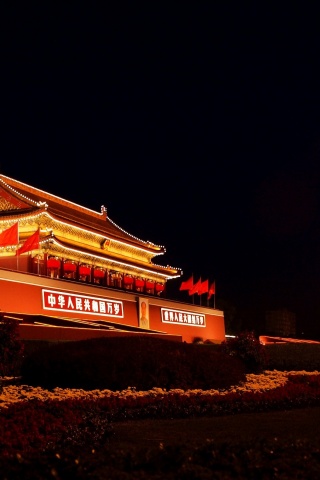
[{"x": 59, "y": 416}]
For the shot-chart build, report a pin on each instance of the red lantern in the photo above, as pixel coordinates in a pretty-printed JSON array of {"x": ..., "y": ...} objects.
[
  {"x": 69, "y": 267},
  {"x": 53, "y": 263},
  {"x": 98, "y": 273},
  {"x": 84, "y": 270}
]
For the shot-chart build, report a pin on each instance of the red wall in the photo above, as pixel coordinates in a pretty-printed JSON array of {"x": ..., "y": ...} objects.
[
  {"x": 56, "y": 334},
  {"x": 21, "y": 293}
]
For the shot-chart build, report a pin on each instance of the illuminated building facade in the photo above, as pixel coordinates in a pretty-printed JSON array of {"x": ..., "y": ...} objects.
[{"x": 86, "y": 268}]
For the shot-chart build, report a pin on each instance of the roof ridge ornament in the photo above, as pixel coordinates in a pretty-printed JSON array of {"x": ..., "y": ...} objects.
[{"x": 104, "y": 211}]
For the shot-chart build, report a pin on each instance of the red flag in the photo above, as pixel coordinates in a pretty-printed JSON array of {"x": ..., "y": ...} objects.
[
  {"x": 187, "y": 284},
  {"x": 32, "y": 243},
  {"x": 204, "y": 287},
  {"x": 212, "y": 290},
  {"x": 9, "y": 236},
  {"x": 195, "y": 288}
]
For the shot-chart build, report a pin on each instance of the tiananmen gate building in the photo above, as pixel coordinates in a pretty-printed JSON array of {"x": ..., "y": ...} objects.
[{"x": 70, "y": 273}]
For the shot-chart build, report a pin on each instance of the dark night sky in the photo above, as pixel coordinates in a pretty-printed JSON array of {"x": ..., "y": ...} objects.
[{"x": 197, "y": 126}]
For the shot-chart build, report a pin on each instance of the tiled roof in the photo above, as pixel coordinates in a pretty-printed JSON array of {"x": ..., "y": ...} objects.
[
  {"x": 150, "y": 268},
  {"x": 26, "y": 195}
]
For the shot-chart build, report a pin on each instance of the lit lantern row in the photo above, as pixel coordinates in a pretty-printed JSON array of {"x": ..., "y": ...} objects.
[{"x": 115, "y": 279}]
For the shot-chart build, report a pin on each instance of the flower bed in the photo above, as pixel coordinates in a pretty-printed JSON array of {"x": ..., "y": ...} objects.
[{"x": 33, "y": 419}]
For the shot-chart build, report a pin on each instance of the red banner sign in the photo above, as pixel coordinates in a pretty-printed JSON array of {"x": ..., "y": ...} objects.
[
  {"x": 181, "y": 317},
  {"x": 71, "y": 302}
]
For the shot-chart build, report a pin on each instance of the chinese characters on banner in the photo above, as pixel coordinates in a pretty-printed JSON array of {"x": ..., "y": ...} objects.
[
  {"x": 182, "y": 318},
  {"x": 70, "y": 302}
]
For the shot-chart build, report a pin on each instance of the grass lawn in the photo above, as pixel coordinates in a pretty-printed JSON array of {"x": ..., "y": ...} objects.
[
  {"x": 267, "y": 445},
  {"x": 275, "y": 426}
]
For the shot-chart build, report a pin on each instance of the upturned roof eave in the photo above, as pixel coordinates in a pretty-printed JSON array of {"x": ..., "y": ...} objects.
[
  {"x": 164, "y": 271},
  {"x": 104, "y": 232}
]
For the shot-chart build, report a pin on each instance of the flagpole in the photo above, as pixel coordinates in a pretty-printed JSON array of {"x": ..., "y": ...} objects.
[
  {"x": 212, "y": 291},
  {"x": 192, "y": 287},
  {"x": 193, "y": 294}
]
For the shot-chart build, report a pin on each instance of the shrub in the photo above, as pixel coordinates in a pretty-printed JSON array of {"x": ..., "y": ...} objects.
[
  {"x": 248, "y": 348},
  {"x": 11, "y": 348},
  {"x": 117, "y": 363}
]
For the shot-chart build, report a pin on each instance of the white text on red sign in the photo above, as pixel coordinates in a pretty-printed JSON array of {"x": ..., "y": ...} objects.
[
  {"x": 70, "y": 302},
  {"x": 182, "y": 318}
]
